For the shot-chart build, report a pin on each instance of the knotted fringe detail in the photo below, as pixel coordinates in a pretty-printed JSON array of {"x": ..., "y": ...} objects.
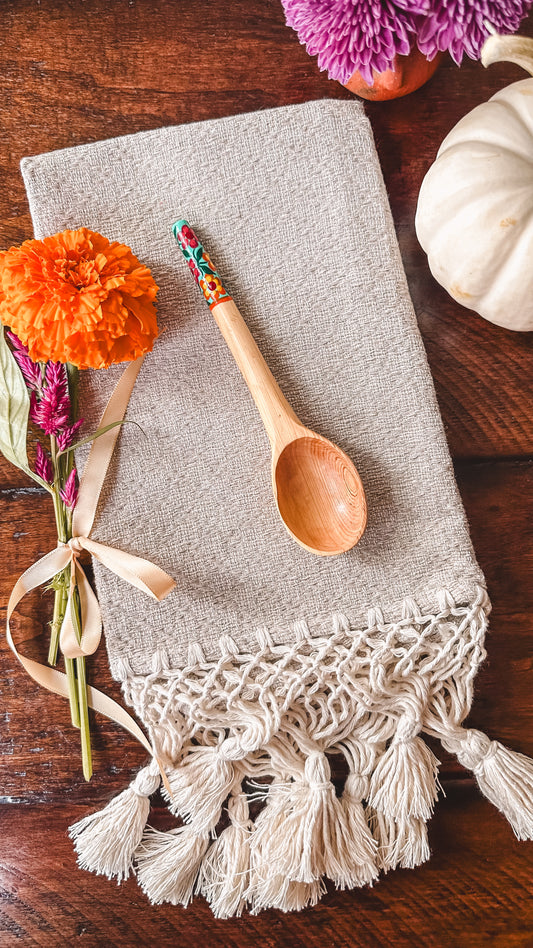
[
  {"x": 269, "y": 716},
  {"x": 404, "y": 783},
  {"x": 363, "y": 846},
  {"x": 285, "y": 895},
  {"x": 168, "y": 864},
  {"x": 403, "y": 843},
  {"x": 224, "y": 872},
  {"x": 200, "y": 784},
  {"x": 303, "y": 833},
  {"x": 403, "y": 789},
  {"x": 105, "y": 841},
  {"x": 504, "y": 776}
]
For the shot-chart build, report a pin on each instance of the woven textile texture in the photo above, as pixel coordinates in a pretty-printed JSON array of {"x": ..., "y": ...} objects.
[
  {"x": 265, "y": 657},
  {"x": 290, "y": 205}
]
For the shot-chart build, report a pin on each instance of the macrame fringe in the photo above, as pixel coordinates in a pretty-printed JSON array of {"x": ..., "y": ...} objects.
[
  {"x": 105, "y": 841},
  {"x": 168, "y": 864},
  {"x": 402, "y": 844},
  {"x": 503, "y": 776},
  {"x": 224, "y": 873},
  {"x": 362, "y": 844},
  {"x": 272, "y": 720},
  {"x": 285, "y": 896},
  {"x": 201, "y": 767},
  {"x": 404, "y": 783}
]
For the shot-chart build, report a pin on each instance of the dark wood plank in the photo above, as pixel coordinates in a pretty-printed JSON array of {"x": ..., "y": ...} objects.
[
  {"x": 475, "y": 891},
  {"x": 483, "y": 374},
  {"x": 39, "y": 759},
  {"x": 71, "y": 75}
]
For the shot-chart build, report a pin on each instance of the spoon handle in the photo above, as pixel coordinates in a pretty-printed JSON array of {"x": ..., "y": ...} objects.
[{"x": 280, "y": 421}]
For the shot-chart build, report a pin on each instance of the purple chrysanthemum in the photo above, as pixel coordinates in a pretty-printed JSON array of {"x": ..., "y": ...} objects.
[
  {"x": 365, "y": 35},
  {"x": 462, "y": 26},
  {"x": 355, "y": 35}
]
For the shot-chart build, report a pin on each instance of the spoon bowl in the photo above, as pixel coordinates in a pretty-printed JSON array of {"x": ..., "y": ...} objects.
[
  {"x": 319, "y": 495},
  {"x": 317, "y": 488}
]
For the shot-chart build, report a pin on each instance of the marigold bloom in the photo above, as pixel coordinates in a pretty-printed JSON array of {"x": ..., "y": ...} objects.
[{"x": 75, "y": 297}]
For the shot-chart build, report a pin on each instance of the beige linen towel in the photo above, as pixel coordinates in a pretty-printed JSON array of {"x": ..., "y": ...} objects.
[{"x": 265, "y": 660}]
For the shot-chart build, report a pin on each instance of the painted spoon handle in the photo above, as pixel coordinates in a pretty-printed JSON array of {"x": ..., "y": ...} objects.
[
  {"x": 280, "y": 421},
  {"x": 200, "y": 264}
]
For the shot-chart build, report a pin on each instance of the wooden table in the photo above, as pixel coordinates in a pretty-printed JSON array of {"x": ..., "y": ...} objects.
[{"x": 74, "y": 72}]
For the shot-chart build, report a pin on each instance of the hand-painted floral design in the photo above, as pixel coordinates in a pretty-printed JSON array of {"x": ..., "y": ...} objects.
[
  {"x": 200, "y": 265},
  {"x": 188, "y": 237},
  {"x": 212, "y": 288}
]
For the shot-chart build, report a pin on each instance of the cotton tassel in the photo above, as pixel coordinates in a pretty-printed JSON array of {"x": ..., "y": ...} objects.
[
  {"x": 224, "y": 873},
  {"x": 360, "y": 843},
  {"x": 404, "y": 783},
  {"x": 168, "y": 864},
  {"x": 404, "y": 843},
  {"x": 199, "y": 785},
  {"x": 303, "y": 833},
  {"x": 504, "y": 776},
  {"x": 105, "y": 841},
  {"x": 284, "y": 895}
]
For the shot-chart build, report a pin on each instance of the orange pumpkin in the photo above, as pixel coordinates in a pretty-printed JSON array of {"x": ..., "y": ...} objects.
[{"x": 408, "y": 73}]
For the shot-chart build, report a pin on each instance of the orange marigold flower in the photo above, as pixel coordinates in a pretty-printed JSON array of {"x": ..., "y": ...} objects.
[{"x": 75, "y": 297}]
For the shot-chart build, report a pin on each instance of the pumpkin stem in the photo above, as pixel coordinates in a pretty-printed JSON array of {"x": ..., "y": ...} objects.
[{"x": 511, "y": 49}]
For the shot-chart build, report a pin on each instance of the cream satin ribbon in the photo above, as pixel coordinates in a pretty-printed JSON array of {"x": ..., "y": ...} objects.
[{"x": 138, "y": 572}]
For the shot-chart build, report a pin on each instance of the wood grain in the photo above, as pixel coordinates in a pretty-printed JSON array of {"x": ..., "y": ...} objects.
[
  {"x": 74, "y": 72},
  {"x": 487, "y": 901}
]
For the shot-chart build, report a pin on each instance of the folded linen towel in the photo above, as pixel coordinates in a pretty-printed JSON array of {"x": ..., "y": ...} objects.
[{"x": 266, "y": 660}]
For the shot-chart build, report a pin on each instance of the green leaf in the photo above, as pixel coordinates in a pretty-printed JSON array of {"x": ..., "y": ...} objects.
[
  {"x": 97, "y": 434},
  {"x": 14, "y": 409}
]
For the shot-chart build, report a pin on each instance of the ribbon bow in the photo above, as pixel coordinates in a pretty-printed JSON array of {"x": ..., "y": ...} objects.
[{"x": 137, "y": 571}]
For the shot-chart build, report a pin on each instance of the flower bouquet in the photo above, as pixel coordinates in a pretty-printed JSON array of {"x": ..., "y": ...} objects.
[
  {"x": 385, "y": 49},
  {"x": 68, "y": 302}
]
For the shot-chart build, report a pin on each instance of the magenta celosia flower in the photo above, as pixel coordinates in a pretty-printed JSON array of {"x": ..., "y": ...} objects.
[
  {"x": 15, "y": 342},
  {"x": 43, "y": 465},
  {"x": 50, "y": 411},
  {"x": 66, "y": 437},
  {"x": 31, "y": 371},
  {"x": 69, "y": 493},
  {"x": 365, "y": 35}
]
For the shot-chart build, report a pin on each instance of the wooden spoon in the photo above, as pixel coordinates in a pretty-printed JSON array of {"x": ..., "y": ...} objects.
[{"x": 317, "y": 488}]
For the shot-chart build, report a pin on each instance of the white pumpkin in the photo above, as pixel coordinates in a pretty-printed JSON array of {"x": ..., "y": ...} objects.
[{"x": 475, "y": 209}]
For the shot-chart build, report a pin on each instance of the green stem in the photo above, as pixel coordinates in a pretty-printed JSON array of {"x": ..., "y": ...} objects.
[
  {"x": 61, "y": 593},
  {"x": 70, "y": 670},
  {"x": 83, "y": 703},
  {"x": 75, "y": 668},
  {"x": 60, "y": 604},
  {"x": 85, "y": 731}
]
